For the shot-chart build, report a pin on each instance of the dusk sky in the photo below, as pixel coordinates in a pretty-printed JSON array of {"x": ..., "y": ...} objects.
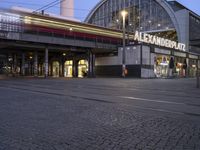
[{"x": 82, "y": 7}]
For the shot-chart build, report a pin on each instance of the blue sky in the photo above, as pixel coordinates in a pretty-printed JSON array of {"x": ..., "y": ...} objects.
[{"x": 82, "y": 7}]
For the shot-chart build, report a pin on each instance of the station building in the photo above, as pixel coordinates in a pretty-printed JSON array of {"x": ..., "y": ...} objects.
[
  {"x": 168, "y": 20},
  {"x": 162, "y": 39}
]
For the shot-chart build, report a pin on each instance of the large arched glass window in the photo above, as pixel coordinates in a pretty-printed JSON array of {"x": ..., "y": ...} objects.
[{"x": 143, "y": 15}]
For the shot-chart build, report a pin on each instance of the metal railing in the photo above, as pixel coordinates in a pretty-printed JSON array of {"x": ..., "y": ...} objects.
[{"x": 51, "y": 32}]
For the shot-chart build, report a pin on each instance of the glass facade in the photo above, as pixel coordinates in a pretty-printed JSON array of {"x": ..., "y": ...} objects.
[
  {"x": 143, "y": 15},
  {"x": 194, "y": 33},
  {"x": 10, "y": 22}
]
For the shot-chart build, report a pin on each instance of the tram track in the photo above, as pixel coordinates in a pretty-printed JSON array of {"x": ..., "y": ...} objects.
[
  {"x": 120, "y": 100},
  {"x": 113, "y": 90}
]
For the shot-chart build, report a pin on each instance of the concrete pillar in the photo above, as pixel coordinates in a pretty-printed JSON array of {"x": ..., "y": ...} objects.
[
  {"x": 188, "y": 68},
  {"x": 35, "y": 63},
  {"x": 14, "y": 68},
  {"x": 7, "y": 65},
  {"x": 91, "y": 64},
  {"x": 23, "y": 65},
  {"x": 75, "y": 68},
  {"x": 46, "y": 62},
  {"x": 198, "y": 73},
  {"x": 63, "y": 68}
]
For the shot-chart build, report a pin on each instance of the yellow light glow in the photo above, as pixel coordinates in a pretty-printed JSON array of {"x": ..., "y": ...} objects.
[
  {"x": 194, "y": 66},
  {"x": 69, "y": 62},
  {"x": 124, "y": 13}
]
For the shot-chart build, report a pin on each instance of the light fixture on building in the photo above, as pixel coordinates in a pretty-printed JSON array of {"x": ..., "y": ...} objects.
[
  {"x": 10, "y": 59},
  {"x": 30, "y": 57},
  {"x": 124, "y": 13},
  {"x": 64, "y": 54},
  {"x": 149, "y": 21},
  {"x": 70, "y": 29},
  {"x": 193, "y": 66},
  {"x": 159, "y": 25}
]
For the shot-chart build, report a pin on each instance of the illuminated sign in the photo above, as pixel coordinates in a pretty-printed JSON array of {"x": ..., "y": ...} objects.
[{"x": 152, "y": 39}]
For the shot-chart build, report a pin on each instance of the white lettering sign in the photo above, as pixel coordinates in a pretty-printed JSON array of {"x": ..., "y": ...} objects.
[{"x": 152, "y": 39}]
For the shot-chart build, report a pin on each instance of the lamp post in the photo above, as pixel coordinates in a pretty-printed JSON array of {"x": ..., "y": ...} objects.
[{"x": 124, "y": 13}]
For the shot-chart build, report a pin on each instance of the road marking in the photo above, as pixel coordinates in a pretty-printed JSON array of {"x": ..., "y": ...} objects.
[
  {"x": 150, "y": 100},
  {"x": 159, "y": 110}
]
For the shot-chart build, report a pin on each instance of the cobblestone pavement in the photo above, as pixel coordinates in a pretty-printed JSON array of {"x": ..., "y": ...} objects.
[{"x": 99, "y": 114}]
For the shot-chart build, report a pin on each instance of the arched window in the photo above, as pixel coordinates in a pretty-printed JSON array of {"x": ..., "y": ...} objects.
[
  {"x": 68, "y": 69},
  {"x": 82, "y": 68}
]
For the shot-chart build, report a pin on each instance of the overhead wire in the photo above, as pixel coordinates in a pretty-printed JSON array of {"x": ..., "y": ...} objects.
[
  {"x": 51, "y": 5},
  {"x": 34, "y": 4},
  {"x": 48, "y": 5}
]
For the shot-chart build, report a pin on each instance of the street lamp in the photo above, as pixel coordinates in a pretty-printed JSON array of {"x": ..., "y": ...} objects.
[{"x": 124, "y": 13}]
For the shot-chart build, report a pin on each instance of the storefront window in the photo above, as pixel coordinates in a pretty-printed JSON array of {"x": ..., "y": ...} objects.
[
  {"x": 192, "y": 67},
  {"x": 161, "y": 65},
  {"x": 180, "y": 67},
  {"x": 82, "y": 68},
  {"x": 68, "y": 68},
  {"x": 55, "y": 68}
]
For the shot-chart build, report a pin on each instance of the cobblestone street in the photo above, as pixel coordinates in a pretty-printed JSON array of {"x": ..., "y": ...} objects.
[{"x": 99, "y": 114}]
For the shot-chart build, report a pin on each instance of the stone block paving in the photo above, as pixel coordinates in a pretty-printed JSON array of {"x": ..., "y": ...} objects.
[{"x": 36, "y": 121}]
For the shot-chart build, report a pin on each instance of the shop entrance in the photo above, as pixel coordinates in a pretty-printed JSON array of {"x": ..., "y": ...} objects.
[
  {"x": 192, "y": 67},
  {"x": 181, "y": 66},
  {"x": 161, "y": 65},
  {"x": 82, "y": 68},
  {"x": 55, "y": 67},
  {"x": 68, "y": 68}
]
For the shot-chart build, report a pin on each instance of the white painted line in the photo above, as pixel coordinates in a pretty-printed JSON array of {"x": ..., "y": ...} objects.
[
  {"x": 150, "y": 100},
  {"x": 159, "y": 110}
]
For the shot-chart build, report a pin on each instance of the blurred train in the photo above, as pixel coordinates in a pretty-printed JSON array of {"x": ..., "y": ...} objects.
[{"x": 22, "y": 20}]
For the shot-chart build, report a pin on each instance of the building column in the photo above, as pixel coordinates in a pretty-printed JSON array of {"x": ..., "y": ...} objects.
[
  {"x": 198, "y": 73},
  {"x": 23, "y": 65},
  {"x": 46, "y": 62},
  {"x": 187, "y": 70},
  {"x": 7, "y": 64},
  {"x": 14, "y": 68},
  {"x": 75, "y": 68},
  {"x": 63, "y": 68},
  {"x": 91, "y": 64},
  {"x": 35, "y": 63}
]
